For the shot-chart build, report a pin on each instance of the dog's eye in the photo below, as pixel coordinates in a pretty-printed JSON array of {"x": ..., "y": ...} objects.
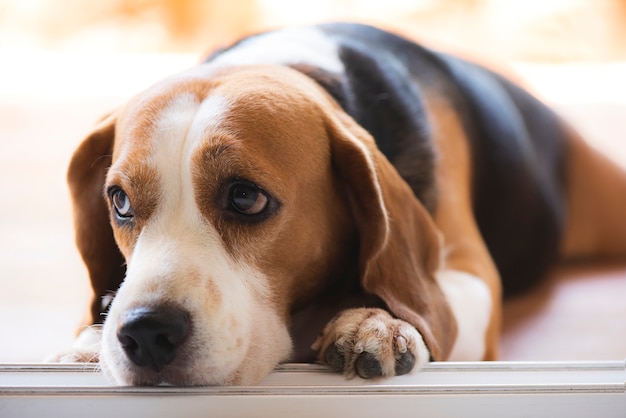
[
  {"x": 121, "y": 203},
  {"x": 247, "y": 199}
]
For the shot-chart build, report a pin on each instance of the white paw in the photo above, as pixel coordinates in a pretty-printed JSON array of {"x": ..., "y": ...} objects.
[{"x": 86, "y": 348}]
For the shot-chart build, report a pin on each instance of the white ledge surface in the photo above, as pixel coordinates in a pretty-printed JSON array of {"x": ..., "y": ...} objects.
[{"x": 498, "y": 389}]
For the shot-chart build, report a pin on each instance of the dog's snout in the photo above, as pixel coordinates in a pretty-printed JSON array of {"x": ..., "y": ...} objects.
[{"x": 150, "y": 336}]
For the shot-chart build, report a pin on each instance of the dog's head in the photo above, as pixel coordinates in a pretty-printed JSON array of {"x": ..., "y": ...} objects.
[{"x": 230, "y": 199}]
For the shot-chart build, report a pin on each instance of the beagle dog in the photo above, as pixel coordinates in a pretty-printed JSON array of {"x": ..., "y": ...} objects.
[{"x": 333, "y": 192}]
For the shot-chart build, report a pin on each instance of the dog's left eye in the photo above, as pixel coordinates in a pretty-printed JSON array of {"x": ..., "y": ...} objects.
[
  {"x": 247, "y": 199},
  {"x": 121, "y": 203}
]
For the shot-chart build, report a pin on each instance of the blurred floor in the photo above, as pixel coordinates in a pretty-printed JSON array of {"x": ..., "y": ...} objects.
[
  {"x": 579, "y": 313},
  {"x": 49, "y": 102}
]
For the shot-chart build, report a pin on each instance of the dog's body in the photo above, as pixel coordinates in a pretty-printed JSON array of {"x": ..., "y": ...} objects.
[{"x": 336, "y": 182}]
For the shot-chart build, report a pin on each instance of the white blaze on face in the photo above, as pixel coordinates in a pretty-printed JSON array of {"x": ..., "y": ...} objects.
[{"x": 179, "y": 258}]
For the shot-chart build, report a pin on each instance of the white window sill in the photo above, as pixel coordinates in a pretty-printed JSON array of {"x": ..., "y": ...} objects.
[{"x": 498, "y": 389}]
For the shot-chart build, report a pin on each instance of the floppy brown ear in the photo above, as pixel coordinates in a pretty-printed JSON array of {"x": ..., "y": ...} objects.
[
  {"x": 94, "y": 235},
  {"x": 400, "y": 245}
]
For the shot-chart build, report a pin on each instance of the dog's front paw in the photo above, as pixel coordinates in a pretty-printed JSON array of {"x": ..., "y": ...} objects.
[
  {"x": 86, "y": 348},
  {"x": 370, "y": 343},
  {"x": 74, "y": 356}
]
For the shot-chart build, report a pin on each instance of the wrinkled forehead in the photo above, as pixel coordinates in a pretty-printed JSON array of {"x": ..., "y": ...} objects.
[
  {"x": 157, "y": 118},
  {"x": 268, "y": 114}
]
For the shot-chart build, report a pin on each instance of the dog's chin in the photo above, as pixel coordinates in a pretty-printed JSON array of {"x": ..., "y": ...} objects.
[
  {"x": 199, "y": 368},
  {"x": 134, "y": 376},
  {"x": 124, "y": 373}
]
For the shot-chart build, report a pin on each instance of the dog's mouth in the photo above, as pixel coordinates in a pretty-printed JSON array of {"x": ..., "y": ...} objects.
[
  {"x": 145, "y": 377},
  {"x": 164, "y": 346},
  {"x": 181, "y": 371},
  {"x": 191, "y": 341},
  {"x": 169, "y": 376}
]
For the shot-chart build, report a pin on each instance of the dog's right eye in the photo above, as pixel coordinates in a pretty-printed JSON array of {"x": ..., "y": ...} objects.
[
  {"x": 121, "y": 203},
  {"x": 248, "y": 200},
  {"x": 244, "y": 201}
]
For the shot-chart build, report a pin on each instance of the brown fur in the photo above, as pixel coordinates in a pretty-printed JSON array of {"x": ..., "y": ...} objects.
[{"x": 343, "y": 195}]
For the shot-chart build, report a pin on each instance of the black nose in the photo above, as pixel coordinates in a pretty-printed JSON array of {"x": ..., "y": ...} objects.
[{"x": 151, "y": 335}]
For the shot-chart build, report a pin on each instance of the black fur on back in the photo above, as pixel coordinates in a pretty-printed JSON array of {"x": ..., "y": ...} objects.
[{"x": 518, "y": 145}]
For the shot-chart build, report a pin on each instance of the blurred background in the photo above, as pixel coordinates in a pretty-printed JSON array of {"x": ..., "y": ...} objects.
[
  {"x": 552, "y": 30},
  {"x": 64, "y": 63}
]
